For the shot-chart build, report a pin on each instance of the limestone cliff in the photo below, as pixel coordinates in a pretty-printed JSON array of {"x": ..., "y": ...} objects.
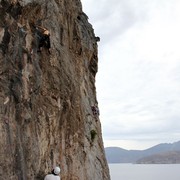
[{"x": 46, "y": 94}]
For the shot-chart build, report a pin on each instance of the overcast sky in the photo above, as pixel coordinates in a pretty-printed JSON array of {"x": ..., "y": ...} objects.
[{"x": 138, "y": 82}]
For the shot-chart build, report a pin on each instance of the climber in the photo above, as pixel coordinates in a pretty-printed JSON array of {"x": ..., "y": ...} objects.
[
  {"x": 95, "y": 110},
  {"x": 54, "y": 175},
  {"x": 43, "y": 38},
  {"x": 97, "y": 39}
]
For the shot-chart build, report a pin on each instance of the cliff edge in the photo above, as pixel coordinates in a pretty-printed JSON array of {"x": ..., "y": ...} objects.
[{"x": 48, "y": 63}]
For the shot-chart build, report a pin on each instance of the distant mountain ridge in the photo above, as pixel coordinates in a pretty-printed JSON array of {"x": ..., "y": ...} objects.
[
  {"x": 120, "y": 155},
  {"x": 170, "y": 157}
]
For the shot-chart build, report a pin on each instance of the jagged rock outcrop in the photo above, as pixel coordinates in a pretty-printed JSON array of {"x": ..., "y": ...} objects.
[{"x": 46, "y": 94}]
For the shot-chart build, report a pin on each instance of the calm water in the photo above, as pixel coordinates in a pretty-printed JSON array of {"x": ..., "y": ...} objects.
[{"x": 145, "y": 171}]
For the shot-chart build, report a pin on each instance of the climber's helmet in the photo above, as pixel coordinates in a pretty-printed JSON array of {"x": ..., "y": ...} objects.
[
  {"x": 46, "y": 32},
  {"x": 57, "y": 170}
]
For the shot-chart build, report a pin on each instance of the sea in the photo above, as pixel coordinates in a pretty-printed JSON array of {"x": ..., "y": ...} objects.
[{"x": 144, "y": 171}]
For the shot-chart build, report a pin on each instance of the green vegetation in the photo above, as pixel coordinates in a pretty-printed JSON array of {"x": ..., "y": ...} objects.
[{"x": 93, "y": 134}]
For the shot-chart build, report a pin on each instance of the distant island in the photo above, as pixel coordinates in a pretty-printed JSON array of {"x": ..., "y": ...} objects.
[
  {"x": 170, "y": 157},
  {"x": 165, "y": 153}
]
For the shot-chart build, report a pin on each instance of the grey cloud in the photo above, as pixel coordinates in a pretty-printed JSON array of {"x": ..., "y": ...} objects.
[
  {"x": 112, "y": 18},
  {"x": 135, "y": 88}
]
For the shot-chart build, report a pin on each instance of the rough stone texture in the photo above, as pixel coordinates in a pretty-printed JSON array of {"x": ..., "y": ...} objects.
[{"x": 46, "y": 98}]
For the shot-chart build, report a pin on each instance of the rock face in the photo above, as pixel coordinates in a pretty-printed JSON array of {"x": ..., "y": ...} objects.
[{"x": 46, "y": 94}]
